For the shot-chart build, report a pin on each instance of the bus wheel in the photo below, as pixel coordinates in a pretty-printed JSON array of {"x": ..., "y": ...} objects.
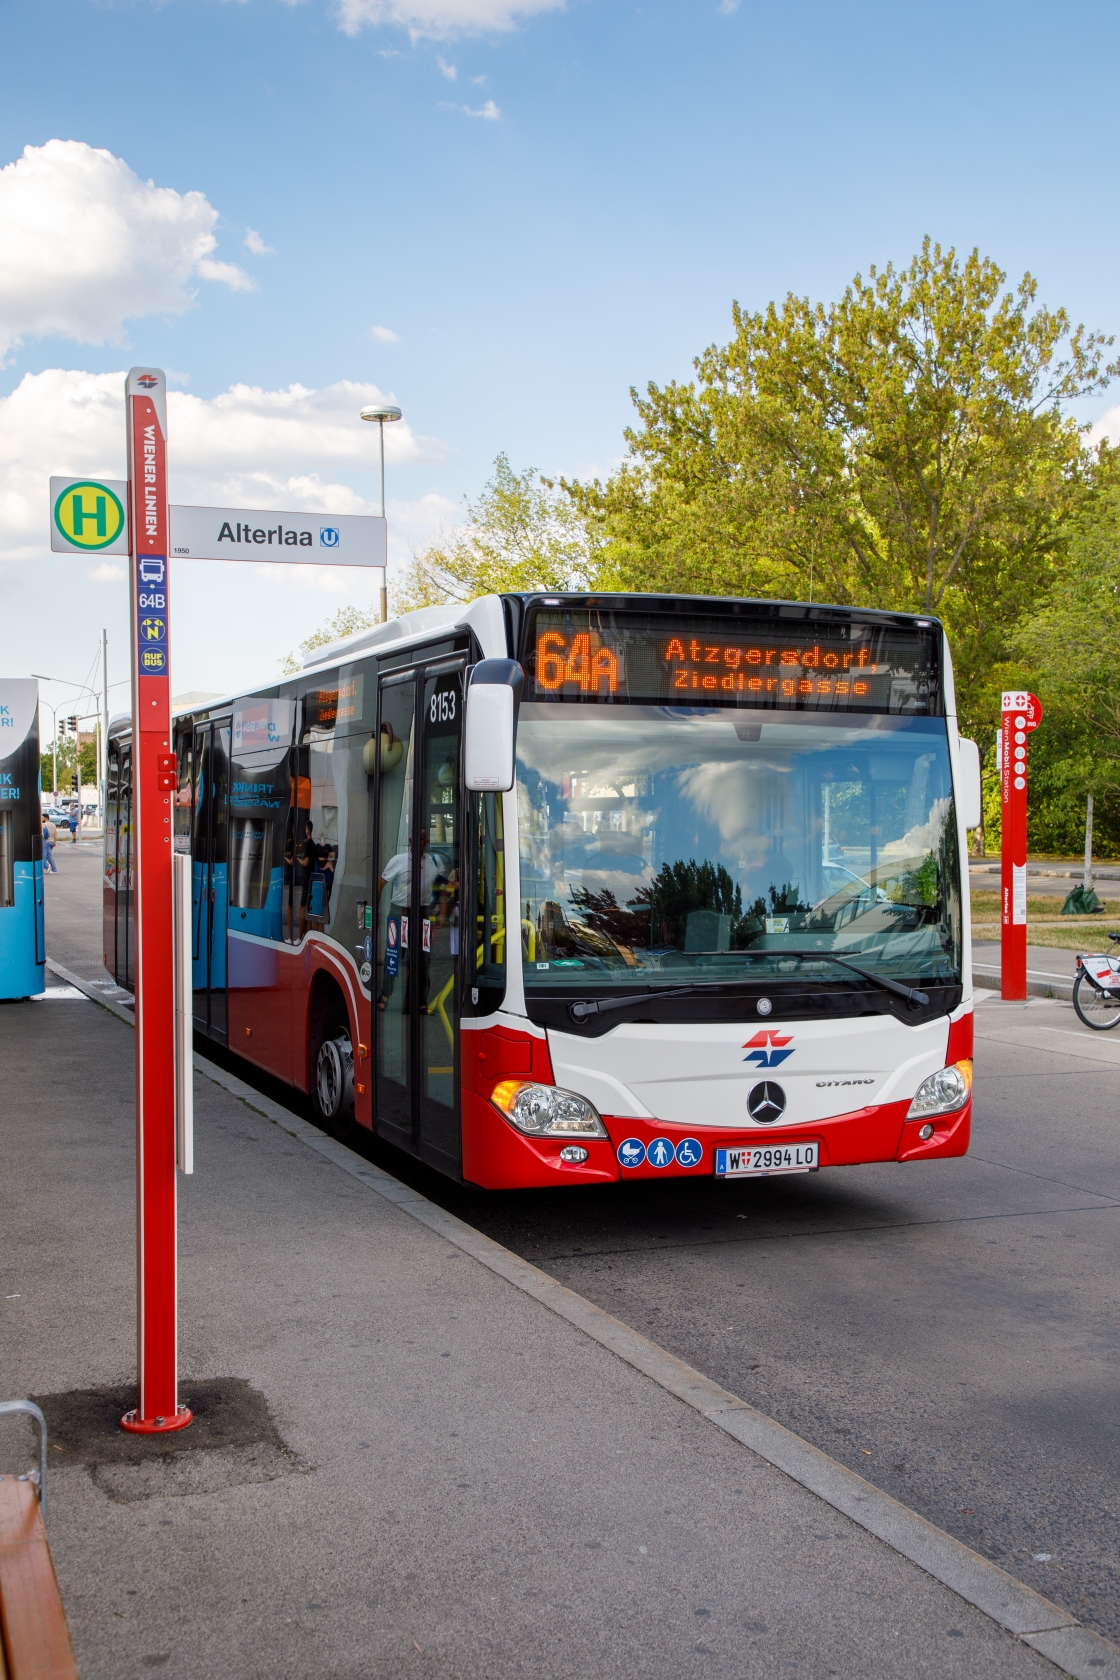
[{"x": 334, "y": 1080}]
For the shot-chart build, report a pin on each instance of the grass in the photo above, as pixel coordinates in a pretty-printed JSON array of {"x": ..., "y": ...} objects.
[
  {"x": 1073, "y": 936},
  {"x": 986, "y": 907}
]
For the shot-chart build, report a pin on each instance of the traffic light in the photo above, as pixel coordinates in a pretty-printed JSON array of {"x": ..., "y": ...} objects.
[
  {"x": 73, "y": 722},
  {"x": 74, "y": 782}
]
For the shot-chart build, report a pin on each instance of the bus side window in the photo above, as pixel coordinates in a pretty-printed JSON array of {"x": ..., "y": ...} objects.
[
  {"x": 488, "y": 965},
  {"x": 183, "y": 797}
]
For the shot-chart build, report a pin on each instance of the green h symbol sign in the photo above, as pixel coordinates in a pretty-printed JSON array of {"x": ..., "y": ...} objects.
[{"x": 79, "y": 515}]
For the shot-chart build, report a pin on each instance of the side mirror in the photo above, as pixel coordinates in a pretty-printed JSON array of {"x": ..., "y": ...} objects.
[
  {"x": 493, "y": 697},
  {"x": 970, "y": 802}
]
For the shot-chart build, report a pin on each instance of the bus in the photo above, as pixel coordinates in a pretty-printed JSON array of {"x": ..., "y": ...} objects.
[
  {"x": 580, "y": 888},
  {"x": 22, "y": 940}
]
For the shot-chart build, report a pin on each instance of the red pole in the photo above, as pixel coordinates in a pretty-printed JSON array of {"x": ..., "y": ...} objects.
[
  {"x": 153, "y": 785},
  {"x": 1019, "y": 714}
]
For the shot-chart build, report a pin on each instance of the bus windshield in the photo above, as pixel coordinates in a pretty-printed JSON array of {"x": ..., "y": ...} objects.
[{"x": 661, "y": 844}]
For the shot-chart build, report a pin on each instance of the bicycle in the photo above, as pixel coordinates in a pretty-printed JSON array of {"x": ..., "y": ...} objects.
[{"x": 1096, "y": 990}]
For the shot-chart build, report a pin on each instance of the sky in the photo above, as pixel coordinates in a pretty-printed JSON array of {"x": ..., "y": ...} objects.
[{"x": 499, "y": 214}]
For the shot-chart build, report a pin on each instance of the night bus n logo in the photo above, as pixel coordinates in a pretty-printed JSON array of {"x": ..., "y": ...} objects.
[{"x": 89, "y": 515}]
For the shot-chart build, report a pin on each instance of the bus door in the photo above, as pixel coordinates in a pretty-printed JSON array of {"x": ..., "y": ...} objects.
[
  {"x": 209, "y": 869},
  {"x": 417, "y": 913},
  {"x": 124, "y": 951}
]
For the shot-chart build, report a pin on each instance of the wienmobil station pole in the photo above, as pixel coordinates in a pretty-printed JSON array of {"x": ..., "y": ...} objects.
[
  {"x": 1020, "y": 713},
  {"x": 153, "y": 790}
]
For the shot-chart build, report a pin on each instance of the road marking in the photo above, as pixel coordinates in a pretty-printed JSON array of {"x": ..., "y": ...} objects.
[{"x": 1048, "y": 1629}]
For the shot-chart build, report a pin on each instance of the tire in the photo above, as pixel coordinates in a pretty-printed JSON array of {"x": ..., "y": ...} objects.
[
  {"x": 333, "y": 1092},
  {"x": 1096, "y": 1008}
]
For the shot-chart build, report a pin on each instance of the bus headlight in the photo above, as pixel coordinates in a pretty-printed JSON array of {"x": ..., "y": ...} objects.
[
  {"x": 942, "y": 1092},
  {"x": 546, "y": 1110}
]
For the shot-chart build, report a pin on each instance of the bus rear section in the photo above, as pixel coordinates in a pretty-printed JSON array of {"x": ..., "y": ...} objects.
[{"x": 716, "y": 925}]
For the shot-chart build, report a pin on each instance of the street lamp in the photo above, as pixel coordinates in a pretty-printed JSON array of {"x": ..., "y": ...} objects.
[
  {"x": 53, "y": 710},
  {"x": 381, "y": 412}
]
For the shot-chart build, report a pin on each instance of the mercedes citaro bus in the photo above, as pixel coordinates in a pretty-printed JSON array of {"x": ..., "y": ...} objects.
[{"x": 567, "y": 889}]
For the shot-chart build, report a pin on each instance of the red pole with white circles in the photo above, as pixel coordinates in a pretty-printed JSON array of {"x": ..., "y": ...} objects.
[{"x": 1020, "y": 713}]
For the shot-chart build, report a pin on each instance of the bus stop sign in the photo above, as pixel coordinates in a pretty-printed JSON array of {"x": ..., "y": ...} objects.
[{"x": 153, "y": 790}]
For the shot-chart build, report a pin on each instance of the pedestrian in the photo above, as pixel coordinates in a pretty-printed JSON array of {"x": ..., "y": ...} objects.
[
  {"x": 50, "y": 835},
  {"x": 75, "y": 823}
]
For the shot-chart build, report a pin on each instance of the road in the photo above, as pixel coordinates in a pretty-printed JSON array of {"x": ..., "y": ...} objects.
[{"x": 948, "y": 1329}]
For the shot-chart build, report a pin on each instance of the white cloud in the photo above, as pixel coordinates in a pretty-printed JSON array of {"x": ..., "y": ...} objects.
[
  {"x": 1108, "y": 426},
  {"x": 253, "y": 242},
  {"x": 489, "y": 112},
  {"x": 385, "y": 335},
  {"x": 440, "y": 18},
  {"x": 728, "y": 8},
  {"x": 448, "y": 70},
  {"x": 88, "y": 245},
  {"x": 107, "y": 572},
  {"x": 228, "y": 273},
  {"x": 261, "y": 448}
]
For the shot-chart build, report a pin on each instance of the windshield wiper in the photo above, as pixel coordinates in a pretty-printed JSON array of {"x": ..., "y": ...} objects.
[
  {"x": 581, "y": 1011},
  {"x": 882, "y": 980}
]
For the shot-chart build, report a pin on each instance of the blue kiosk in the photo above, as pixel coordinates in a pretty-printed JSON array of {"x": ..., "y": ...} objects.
[{"x": 22, "y": 943}]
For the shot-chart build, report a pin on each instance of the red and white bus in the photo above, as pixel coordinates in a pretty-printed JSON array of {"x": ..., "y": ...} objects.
[{"x": 567, "y": 889}]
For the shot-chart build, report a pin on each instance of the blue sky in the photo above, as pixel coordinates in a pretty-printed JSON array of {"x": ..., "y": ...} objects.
[{"x": 543, "y": 204}]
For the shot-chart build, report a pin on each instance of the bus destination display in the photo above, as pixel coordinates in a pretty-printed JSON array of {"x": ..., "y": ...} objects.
[{"x": 577, "y": 654}]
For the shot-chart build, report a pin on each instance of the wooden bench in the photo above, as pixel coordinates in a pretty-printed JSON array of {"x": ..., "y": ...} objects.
[{"x": 34, "y": 1639}]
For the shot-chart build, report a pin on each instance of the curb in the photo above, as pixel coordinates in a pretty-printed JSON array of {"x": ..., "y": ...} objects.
[
  {"x": 1056, "y": 988},
  {"x": 1051, "y": 1631}
]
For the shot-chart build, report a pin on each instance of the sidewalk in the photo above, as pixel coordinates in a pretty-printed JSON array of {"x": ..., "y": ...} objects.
[
  {"x": 1050, "y": 971},
  {"x": 406, "y": 1463}
]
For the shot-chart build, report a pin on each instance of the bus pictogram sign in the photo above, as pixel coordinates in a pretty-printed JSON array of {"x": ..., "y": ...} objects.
[{"x": 87, "y": 516}]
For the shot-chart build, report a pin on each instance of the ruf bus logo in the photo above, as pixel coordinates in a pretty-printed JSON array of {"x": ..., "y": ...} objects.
[{"x": 766, "y": 1048}]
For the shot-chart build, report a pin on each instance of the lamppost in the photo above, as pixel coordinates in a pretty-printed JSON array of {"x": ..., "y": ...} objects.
[
  {"x": 53, "y": 710},
  {"x": 382, "y": 412}
]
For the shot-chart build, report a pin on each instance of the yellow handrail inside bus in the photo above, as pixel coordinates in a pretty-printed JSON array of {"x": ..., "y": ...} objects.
[
  {"x": 437, "y": 1008},
  {"x": 527, "y": 927}
]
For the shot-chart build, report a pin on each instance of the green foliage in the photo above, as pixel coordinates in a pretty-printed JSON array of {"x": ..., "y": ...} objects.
[
  {"x": 904, "y": 447},
  {"x": 66, "y": 756},
  {"x": 347, "y": 621},
  {"x": 521, "y": 533}
]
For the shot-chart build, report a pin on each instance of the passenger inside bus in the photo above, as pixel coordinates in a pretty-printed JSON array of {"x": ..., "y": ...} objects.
[{"x": 397, "y": 874}]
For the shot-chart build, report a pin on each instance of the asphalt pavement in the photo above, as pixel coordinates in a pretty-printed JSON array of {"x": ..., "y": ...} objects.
[
  {"x": 402, "y": 1464},
  {"x": 948, "y": 1330},
  {"x": 1048, "y": 880}
]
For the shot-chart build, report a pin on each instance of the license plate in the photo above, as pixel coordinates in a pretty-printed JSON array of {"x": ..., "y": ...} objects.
[{"x": 759, "y": 1160}]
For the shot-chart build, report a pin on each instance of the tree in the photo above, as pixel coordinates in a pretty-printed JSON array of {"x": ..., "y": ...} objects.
[
  {"x": 346, "y": 622},
  {"x": 521, "y": 533},
  {"x": 1069, "y": 651},
  {"x": 903, "y": 448}
]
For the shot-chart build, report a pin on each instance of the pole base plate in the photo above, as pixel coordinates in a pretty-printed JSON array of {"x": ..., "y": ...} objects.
[{"x": 156, "y": 1425}]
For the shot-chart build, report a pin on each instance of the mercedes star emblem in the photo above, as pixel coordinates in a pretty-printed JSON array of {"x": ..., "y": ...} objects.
[{"x": 766, "y": 1103}]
